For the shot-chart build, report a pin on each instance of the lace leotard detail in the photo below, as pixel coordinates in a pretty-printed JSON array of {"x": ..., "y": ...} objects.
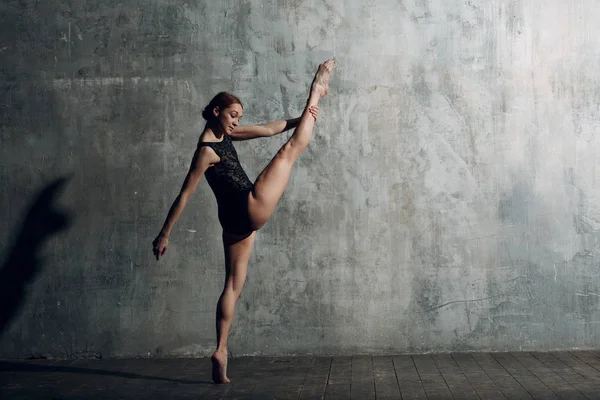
[
  {"x": 231, "y": 186},
  {"x": 227, "y": 177}
]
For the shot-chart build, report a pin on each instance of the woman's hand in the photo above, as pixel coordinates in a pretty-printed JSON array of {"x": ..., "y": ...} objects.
[
  {"x": 159, "y": 245},
  {"x": 314, "y": 111}
]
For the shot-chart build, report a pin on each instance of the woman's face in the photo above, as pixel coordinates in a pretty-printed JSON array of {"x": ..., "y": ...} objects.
[{"x": 229, "y": 117}]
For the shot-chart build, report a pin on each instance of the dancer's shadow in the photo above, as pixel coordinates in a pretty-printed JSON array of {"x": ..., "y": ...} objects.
[
  {"x": 24, "y": 261},
  {"x": 9, "y": 366}
]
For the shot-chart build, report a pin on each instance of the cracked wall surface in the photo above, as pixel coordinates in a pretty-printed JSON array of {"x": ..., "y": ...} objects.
[{"x": 447, "y": 202}]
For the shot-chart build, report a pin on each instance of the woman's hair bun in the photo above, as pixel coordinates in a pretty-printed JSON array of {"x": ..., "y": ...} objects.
[{"x": 221, "y": 100}]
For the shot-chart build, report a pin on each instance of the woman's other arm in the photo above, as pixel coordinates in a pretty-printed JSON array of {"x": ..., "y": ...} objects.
[{"x": 204, "y": 157}]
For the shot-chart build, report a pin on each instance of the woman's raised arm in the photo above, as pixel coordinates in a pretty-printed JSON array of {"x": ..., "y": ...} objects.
[{"x": 269, "y": 129}]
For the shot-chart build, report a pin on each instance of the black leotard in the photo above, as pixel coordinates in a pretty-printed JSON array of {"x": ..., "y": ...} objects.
[{"x": 231, "y": 186}]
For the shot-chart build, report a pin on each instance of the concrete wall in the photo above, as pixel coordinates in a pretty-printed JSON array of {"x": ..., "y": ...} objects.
[{"x": 448, "y": 201}]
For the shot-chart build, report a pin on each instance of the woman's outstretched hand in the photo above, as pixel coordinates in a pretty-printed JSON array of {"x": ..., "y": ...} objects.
[
  {"x": 159, "y": 245},
  {"x": 314, "y": 111}
]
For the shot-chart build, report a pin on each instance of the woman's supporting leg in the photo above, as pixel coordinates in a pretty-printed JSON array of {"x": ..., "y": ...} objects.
[
  {"x": 237, "y": 254},
  {"x": 271, "y": 182}
]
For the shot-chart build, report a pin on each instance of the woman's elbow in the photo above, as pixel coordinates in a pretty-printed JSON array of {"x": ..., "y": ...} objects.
[
  {"x": 184, "y": 196},
  {"x": 269, "y": 131}
]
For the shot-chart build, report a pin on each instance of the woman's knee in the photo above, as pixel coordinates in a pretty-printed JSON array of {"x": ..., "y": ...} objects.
[
  {"x": 288, "y": 152},
  {"x": 231, "y": 295},
  {"x": 234, "y": 288}
]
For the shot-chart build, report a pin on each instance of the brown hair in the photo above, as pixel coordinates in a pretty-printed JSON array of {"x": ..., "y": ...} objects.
[{"x": 221, "y": 100}]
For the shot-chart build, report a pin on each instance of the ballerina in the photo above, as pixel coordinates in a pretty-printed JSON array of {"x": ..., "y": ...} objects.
[{"x": 243, "y": 206}]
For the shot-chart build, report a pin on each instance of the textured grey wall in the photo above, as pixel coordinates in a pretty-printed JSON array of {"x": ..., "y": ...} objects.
[{"x": 448, "y": 201}]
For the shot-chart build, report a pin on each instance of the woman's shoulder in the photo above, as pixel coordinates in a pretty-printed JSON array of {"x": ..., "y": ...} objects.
[
  {"x": 211, "y": 141},
  {"x": 212, "y": 154}
]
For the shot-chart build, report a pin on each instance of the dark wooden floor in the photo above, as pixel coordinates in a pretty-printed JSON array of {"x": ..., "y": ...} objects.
[{"x": 555, "y": 375}]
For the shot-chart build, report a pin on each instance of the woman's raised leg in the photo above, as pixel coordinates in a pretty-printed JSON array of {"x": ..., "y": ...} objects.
[
  {"x": 271, "y": 182},
  {"x": 237, "y": 254}
]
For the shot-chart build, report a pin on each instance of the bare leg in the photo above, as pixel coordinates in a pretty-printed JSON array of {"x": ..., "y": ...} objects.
[
  {"x": 270, "y": 184},
  {"x": 237, "y": 253}
]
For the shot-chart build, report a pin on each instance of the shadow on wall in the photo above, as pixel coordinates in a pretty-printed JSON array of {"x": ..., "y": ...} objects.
[{"x": 24, "y": 260}]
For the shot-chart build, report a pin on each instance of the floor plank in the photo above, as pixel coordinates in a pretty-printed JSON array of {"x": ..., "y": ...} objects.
[
  {"x": 386, "y": 383},
  {"x": 340, "y": 376},
  {"x": 588, "y": 357},
  {"x": 478, "y": 377},
  {"x": 508, "y": 385},
  {"x": 316, "y": 379},
  {"x": 459, "y": 385},
  {"x": 295, "y": 376},
  {"x": 552, "y": 380},
  {"x": 589, "y": 388},
  {"x": 260, "y": 375},
  {"x": 530, "y": 382},
  {"x": 409, "y": 380},
  {"x": 362, "y": 384},
  {"x": 434, "y": 384},
  {"x": 577, "y": 364},
  {"x": 566, "y": 375}
]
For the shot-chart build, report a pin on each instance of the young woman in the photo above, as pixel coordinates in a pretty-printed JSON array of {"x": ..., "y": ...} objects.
[{"x": 243, "y": 206}]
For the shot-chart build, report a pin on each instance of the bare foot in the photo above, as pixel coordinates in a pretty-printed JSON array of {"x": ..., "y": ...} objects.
[
  {"x": 219, "y": 367},
  {"x": 320, "y": 84}
]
